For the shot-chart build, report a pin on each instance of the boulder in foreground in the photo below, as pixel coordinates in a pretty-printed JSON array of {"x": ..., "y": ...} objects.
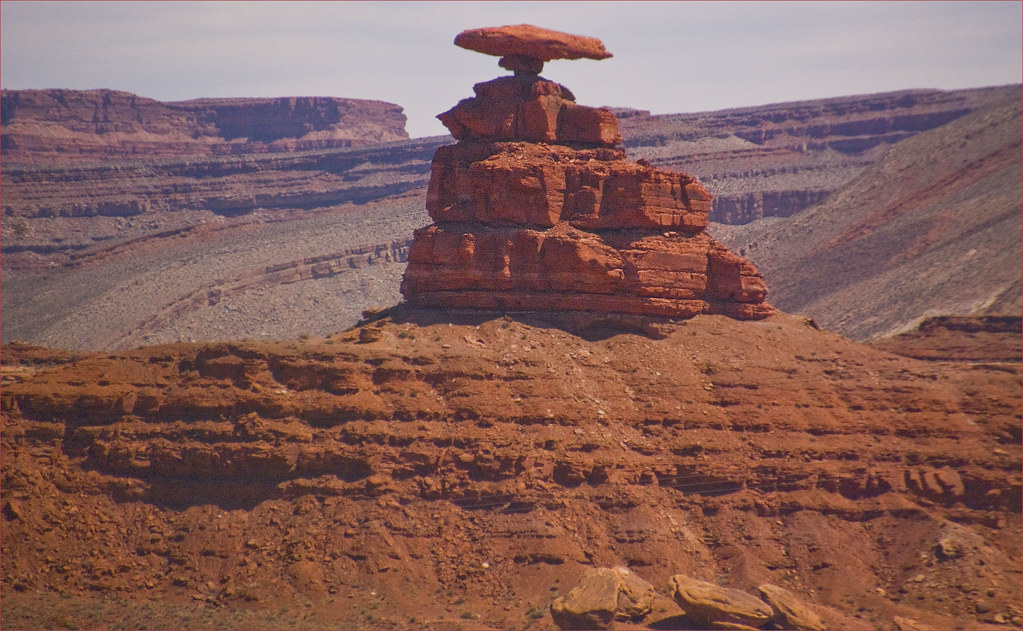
[
  {"x": 790, "y": 612},
  {"x": 719, "y": 607},
  {"x": 603, "y": 595}
]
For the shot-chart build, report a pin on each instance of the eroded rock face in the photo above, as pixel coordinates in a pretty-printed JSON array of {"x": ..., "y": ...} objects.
[
  {"x": 574, "y": 270},
  {"x": 526, "y": 106},
  {"x": 540, "y": 184},
  {"x": 529, "y": 107},
  {"x": 537, "y": 209}
]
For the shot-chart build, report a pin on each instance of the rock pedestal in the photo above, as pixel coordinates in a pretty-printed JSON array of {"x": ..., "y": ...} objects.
[{"x": 536, "y": 208}]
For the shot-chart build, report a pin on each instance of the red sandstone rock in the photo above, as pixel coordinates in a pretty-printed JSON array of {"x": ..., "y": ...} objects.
[
  {"x": 540, "y": 185},
  {"x": 603, "y": 595},
  {"x": 790, "y": 611},
  {"x": 531, "y": 41},
  {"x": 579, "y": 123},
  {"x": 564, "y": 268},
  {"x": 717, "y": 607},
  {"x": 526, "y": 107},
  {"x": 521, "y": 64}
]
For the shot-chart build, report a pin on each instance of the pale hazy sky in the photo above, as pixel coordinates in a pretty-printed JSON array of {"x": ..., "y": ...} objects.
[{"x": 669, "y": 56}]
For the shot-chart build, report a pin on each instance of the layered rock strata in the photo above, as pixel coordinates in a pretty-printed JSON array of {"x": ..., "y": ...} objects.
[
  {"x": 536, "y": 207},
  {"x": 777, "y": 160},
  {"x": 410, "y": 457},
  {"x": 47, "y": 126},
  {"x": 526, "y": 40}
]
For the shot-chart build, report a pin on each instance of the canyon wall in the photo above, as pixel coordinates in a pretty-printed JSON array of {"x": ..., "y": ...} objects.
[
  {"x": 776, "y": 160},
  {"x": 67, "y": 125},
  {"x": 935, "y": 227}
]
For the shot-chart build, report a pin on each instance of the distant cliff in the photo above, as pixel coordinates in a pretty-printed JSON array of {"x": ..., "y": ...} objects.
[
  {"x": 933, "y": 228},
  {"x": 58, "y": 125},
  {"x": 776, "y": 160}
]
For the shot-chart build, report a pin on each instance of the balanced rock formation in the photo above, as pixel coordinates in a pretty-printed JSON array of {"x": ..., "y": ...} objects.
[{"x": 536, "y": 207}]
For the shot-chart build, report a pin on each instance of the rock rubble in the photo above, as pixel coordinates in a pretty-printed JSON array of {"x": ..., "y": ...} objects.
[
  {"x": 605, "y": 595},
  {"x": 537, "y": 209}
]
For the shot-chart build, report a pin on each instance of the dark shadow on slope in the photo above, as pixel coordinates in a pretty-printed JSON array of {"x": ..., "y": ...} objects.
[
  {"x": 680, "y": 622},
  {"x": 590, "y": 326}
]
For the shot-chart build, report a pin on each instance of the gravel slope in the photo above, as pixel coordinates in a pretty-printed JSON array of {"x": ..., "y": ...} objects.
[{"x": 102, "y": 306}]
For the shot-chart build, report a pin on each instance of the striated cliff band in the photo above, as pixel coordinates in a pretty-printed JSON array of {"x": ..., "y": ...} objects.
[
  {"x": 72, "y": 125},
  {"x": 933, "y": 228},
  {"x": 776, "y": 160}
]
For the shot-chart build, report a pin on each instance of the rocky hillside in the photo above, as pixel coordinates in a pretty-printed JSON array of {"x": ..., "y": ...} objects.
[
  {"x": 444, "y": 471},
  {"x": 68, "y": 125},
  {"x": 263, "y": 276},
  {"x": 933, "y": 228}
]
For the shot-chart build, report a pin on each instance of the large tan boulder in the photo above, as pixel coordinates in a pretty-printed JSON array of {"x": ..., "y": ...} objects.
[
  {"x": 790, "y": 612},
  {"x": 718, "y": 607},
  {"x": 635, "y": 596},
  {"x": 602, "y": 595}
]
